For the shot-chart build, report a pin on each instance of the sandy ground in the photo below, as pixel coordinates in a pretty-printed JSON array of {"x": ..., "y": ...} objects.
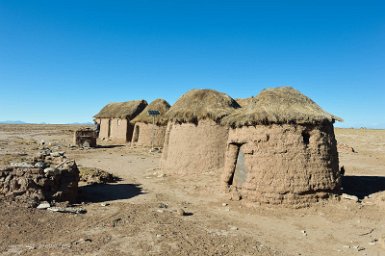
[{"x": 137, "y": 223}]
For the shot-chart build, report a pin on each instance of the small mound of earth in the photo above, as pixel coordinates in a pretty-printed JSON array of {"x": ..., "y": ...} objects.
[
  {"x": 96, "y": 176},
  {"x": 344, "y": 148}
]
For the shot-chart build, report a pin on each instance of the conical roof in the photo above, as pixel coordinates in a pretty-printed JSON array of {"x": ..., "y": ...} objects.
[
  {"x": 279, "y": 105},
  {"x": 159, "y": 105},
  {"x": 196, "y": 105},
  {"x": 128, "y": 110}
]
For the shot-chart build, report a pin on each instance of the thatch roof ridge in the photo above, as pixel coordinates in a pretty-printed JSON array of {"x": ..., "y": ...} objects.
[
  {"x": 198, "y": 104},
  {"x": 160, "y": 105},
  {"x": 127, "y": 110},
  {"x": 279, "y": 105}
]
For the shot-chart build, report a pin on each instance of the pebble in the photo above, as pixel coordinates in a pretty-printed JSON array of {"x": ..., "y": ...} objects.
[
  {"x": 104, "y": 204},
  {"x": 304, "y": 232},
  {"x": 162, "y": 205},
  {"x": 43, "y": 205},
  {"x": 233, "y": 228},
  {"x": 224, "y": 204},
  {"x": 158, "y": 235},
  {"x": 350, "y": 197},
  {"x": 180, "y": 212},
  {"x": 40, "y": 165}
]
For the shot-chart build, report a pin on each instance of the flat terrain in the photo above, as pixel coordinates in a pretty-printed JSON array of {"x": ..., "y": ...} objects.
[{"x": 143, "y": 218}]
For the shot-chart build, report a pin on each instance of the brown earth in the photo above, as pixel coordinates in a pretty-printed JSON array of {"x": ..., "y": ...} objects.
[{"x": 153, "y": 214}]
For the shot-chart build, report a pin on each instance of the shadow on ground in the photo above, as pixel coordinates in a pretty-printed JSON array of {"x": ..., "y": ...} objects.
[
  {"x": 362, "y": 186},
  {"x": 109, "y": 146},
  {"x": 108, "y": 192}
]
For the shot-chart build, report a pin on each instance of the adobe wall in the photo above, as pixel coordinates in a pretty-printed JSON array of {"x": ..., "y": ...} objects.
[
  {"x": 143, "y": 134},
  {"x": 104, "y": 128},
  {"x": 121, "y": 130},
  {"x": 194, "y": 148},
  {"x": 282, "y": 164}
]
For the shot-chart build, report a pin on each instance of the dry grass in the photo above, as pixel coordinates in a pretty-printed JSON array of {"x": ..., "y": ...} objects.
[
  {"x": 160, "y": 105},
  {"x": 128, "y": 109},
  {"x": 196, "y": 105},
  {"x": 244, "y": 102},
  {"x": 279, "y": 105}
]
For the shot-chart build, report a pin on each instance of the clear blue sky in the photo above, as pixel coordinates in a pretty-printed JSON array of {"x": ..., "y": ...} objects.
[{"x": 62, "y": 60}]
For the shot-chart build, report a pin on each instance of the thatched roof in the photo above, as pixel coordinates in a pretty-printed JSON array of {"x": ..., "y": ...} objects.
[
  {"x": 244, "y": 102},
  {"x": 279, "y": 105},
  {"x": 124, "y": 110},
  {"x": 196, "y": 105},
  {"x": 160, "y": 105}
]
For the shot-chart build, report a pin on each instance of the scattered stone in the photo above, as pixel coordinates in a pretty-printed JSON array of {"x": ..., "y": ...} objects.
[
  {"x": 358, "y": 248},
  {"x": 40, "y": 165},
  {"x": 350, "y": 197},
  {"x": 180, "y": 212},
  {"x": 72, "y": 210},
  {"x": 233, "y": 228},
  {"x": 23, "y": 164},
  {"x": 44, "y": 205},
  {"x": 162, "y": 205}
]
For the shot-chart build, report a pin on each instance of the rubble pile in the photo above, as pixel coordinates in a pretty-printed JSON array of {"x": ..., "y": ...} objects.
[{"x": 48, "y": 176}]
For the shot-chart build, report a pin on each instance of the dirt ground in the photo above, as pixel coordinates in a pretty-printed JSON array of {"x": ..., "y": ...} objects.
[{"x": 143, "y": 212}]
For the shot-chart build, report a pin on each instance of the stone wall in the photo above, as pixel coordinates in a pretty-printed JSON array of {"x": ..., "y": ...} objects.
[{"x": 49, "y": 177}]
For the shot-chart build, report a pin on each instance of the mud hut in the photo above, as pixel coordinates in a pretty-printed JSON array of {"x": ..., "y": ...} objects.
[
  {"x": 195, "y": 141},
  {"x": 148, "y": 130},
  {"x": 114, "y": 120},
  {"x": 281, "y": 150}
]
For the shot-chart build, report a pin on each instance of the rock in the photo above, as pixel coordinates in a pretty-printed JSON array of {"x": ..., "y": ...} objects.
[
  {"x": 23, "y": 164},
  {"x": 233, "y": 228},
  {"x": 104, "y": 204},
  {"x": 180, "y": 212},
  {"x": 350, "y": 197},
  {"x": 55, "y": 154},
  {"x": 43, "y": 206},
  {"x": 50, "y": 171},
  {"x": 162, "y": 205},
  {"x": 160, "y": 211},
  {"x": 358, "y": 248},
  {"x": 40, "y": 165},
  {"x": 224, "y": 204},
  {"x": 304, "y": 232},
  {"x": 72, "y": 210}
]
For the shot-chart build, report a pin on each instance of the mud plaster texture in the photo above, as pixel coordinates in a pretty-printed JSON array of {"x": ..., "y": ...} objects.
[
  {"x": 282, "y": 164},
  {"x": 143, "y": 134},
  {"x": 121, "y": 130},
  {"x": 194, "y": 148},
  {"x": 104, "y": 132},
  {"x": 31, "y": 185}
]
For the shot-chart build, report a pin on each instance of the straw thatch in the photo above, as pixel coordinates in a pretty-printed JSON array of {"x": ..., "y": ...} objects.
[
  {"x": 123, "y": 110},
  {"x": 244, "y": 102},
  {"x": 279, "y": 105},
  {"x": 160, "y": 105},
  {"x": 196, "y": 105}
]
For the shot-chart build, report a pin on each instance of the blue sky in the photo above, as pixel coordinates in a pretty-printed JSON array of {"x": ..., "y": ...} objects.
[{"x": 62, "y": 60}]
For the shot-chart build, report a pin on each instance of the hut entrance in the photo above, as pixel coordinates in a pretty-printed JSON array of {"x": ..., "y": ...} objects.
[
  {"x": 109, "y": 128},
  {"x": 135, "y": 137},
  {"x": 238, "y": 172}
]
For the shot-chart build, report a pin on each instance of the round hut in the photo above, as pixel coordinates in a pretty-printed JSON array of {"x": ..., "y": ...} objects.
[
  {"x": 195, "y": 141},
  {"x": 150, "y": 125},
  {"x": 281, "y": 150},
  {"x": 114, "y": 120}
]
